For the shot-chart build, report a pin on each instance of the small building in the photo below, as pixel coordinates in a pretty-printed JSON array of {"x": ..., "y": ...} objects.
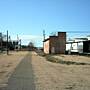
[
  {"x": 55, "y": 44},
  {"x": 78, "y": 45},
  {"x": 10, "y": 44}
]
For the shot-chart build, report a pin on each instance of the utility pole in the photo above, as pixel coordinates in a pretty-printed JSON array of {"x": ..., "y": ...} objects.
[
  {"x": 20, "y": 44},
  {"x": 43, "y": 39},
  {"x": 7, "y": 43},
  {"x": 1, "y": 46},
  {"x": 17, "y": 43},
  {"x": 1, "y": 43}
]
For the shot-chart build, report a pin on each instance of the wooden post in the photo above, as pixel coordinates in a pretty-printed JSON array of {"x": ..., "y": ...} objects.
[
  {"x": 7, "y": 43},
  {"x": 1, "y": 43},
  {"x": 43, "y": 39},
  {"x": 20, "y": 44}
]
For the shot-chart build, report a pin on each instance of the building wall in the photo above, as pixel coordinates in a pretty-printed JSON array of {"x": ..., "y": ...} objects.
[
  {"x": 56, "y": 44},
  {"x": 75, "y": 47},
  {"x": 53, "y": 44},
  {"x": 68, "y": 46},
  {"x": 62, "y": 42},
  {"x": 80, "y": 47},
  {"x": 46, "y": 47},
  {"x": 86, "y": 46}
]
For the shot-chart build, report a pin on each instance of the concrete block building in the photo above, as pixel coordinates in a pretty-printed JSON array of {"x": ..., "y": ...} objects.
[{"x": 55, "y": 44}]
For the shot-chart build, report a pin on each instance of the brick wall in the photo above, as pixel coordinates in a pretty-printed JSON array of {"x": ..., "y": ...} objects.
[
  {"x": 56, "y": 44},
  {"x": 62, "y": 42},
  {"x": 53, "y": 44}
]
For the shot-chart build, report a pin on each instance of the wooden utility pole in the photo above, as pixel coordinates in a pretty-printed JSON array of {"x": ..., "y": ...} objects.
[
  {"x": 1, "y": 43},
  {"x": 43, "y": 38},
  {"x": 7, "y": 43},
  {"x": 17, "y": 43},
  {"x": 20, "y": 44}
]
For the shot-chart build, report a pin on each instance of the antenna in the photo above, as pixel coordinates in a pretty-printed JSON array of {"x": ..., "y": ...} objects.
[{"x": 43, "y": 34}]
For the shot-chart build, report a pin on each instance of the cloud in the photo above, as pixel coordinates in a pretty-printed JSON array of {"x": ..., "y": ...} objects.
[{"x": 29, "y": 38}]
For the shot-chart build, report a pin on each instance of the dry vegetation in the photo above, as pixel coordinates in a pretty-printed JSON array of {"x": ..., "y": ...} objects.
[{"x": 69, "y": 59}]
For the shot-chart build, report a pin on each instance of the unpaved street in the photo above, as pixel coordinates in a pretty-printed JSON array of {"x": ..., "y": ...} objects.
[{"x": 34, "y": 72}]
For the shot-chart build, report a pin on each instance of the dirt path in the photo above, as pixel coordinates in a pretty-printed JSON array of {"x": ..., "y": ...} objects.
[{"x": 22, "y": 77}]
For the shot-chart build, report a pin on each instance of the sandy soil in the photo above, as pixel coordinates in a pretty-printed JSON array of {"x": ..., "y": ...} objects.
[
  {"x": 54, "y": 76},
  {"x": 7, "y": 65}
]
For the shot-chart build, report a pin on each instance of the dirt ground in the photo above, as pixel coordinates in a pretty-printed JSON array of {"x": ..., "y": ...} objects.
[
  {"x": 55, "y": 76},
  {"x": 7, "y": 65},
  {"x": 48, "y": 75}
]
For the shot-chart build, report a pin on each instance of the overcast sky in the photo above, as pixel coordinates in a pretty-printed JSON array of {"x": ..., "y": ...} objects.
[{"x": 28, "y": 18}]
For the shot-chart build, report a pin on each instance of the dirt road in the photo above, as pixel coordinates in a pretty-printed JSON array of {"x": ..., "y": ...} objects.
[{"x": 35, "y": 73}]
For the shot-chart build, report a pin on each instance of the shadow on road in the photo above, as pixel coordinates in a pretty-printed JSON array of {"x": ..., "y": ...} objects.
[{"x": 23, "y": 77}]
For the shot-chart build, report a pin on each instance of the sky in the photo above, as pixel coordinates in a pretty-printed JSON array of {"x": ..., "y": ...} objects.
[{"x": 28, "y": 18}]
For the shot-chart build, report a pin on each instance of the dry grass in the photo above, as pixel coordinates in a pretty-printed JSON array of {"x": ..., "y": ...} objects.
[{"x": 62, "y": 61}]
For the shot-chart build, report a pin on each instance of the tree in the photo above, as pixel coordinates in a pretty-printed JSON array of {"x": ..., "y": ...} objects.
[{"x": 31, "y": 46}]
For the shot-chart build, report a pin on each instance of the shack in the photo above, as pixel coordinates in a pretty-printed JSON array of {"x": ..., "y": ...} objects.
[
  {"x": 55, "y": 44},
  {"x": 78, "y": 45}
]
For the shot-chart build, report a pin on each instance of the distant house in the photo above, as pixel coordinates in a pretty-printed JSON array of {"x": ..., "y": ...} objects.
[
  {"x": 15, "y": 44},
  {"x": 3, "y": 42},
  {"x": 78, "y": 45},
  {"x": 12, "y": 44},
  {"x": 55, "y": 44}
]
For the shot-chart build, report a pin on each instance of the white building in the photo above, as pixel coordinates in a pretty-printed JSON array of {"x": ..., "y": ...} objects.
[{"x": 78, "y": 45}]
